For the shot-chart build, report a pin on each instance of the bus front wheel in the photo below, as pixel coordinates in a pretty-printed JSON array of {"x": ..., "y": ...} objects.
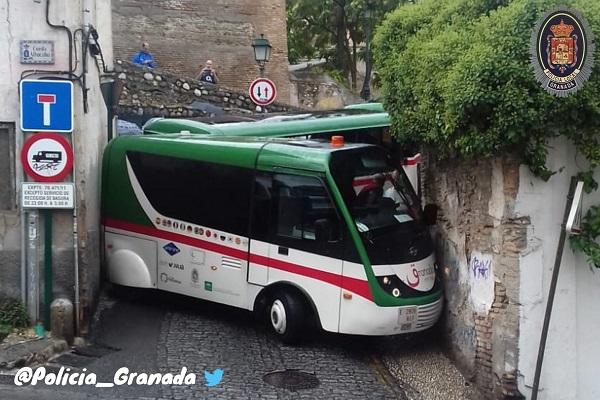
[{"x": 287, "y": 316}]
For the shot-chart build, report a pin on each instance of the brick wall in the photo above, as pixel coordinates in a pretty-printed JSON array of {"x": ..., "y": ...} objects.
[{"x": 183, "y": 34}]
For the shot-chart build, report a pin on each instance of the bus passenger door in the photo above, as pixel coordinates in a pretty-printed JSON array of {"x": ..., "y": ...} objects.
[
  {"x": 258, "y": 266},
  {"x": 303, "y": 242}
]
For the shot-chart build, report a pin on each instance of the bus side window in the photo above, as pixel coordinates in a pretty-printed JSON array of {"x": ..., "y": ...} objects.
[
  {"x": 216, "y": 196},
  {"x": 303, "y": 215}
]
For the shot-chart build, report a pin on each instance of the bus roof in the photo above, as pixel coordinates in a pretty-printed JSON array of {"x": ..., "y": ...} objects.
[
  {"x": 310, "y": 155},
  {"x": 277, "y": 126}
]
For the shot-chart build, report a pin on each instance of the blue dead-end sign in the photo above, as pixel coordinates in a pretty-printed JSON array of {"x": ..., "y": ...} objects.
[{"x": 46, "y": 106}]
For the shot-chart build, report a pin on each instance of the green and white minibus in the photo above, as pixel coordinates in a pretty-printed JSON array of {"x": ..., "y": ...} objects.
[
  {"x": 307, "y": 232},
  {"x": 358, "y": 123}
]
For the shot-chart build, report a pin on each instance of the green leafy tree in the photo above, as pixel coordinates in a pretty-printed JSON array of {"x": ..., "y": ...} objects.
[
  {"x": 309, "y": 32},
  {"x": 332, "y": 29},
  {"x": 456, "y": 76}
]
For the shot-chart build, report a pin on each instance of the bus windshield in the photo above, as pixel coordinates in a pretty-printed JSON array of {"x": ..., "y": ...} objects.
[{"x": 385, "y": 208}]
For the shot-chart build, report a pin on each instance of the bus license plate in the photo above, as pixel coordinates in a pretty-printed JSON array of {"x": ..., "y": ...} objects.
[{"x": 407, "y": 318}]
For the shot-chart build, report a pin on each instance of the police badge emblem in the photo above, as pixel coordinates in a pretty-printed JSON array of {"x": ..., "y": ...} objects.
[{"x": 562, "y": 51}]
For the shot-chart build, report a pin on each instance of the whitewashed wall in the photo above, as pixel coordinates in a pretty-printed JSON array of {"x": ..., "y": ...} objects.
[{"x": 571, "y": 363}]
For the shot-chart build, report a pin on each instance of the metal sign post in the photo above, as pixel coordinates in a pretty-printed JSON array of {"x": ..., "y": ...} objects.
[
  {"x": 45, "y": 106},
  {"x": 33, "y": 294},
  {"x": 47, "y": 266}
]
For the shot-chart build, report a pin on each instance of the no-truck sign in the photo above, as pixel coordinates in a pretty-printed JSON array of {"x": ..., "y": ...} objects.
[
  {"x": 263, "y": 91},
  {"x": 47, "y": 157}
]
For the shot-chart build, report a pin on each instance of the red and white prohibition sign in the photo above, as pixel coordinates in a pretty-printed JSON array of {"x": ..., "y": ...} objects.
[
  {"x": 47, "y": 157},
  {"x": 263, "y": 91}
]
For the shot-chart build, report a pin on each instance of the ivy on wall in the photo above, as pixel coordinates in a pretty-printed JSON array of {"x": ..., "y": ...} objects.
[{"x": 456, "y": 76}]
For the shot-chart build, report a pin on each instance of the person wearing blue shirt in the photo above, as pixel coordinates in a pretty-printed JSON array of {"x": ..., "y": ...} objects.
[{"x": 144, "y": 58}]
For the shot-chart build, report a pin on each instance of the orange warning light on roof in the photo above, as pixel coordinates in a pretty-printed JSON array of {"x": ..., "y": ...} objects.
[{"x": 337, "y": 141}]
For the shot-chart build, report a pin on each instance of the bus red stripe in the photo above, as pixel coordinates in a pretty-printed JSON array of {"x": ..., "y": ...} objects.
[
  {"x": 354, "y": 285},
  {"x": 357, "y": 286},
  {"x": 176, "y": 237}
]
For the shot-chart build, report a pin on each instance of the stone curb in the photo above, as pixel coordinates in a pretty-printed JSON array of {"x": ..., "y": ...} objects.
[{"x": 33, "y": 353}]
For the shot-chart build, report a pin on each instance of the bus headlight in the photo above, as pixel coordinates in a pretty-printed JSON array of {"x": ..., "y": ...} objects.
[{"x": 391, "y": 284}]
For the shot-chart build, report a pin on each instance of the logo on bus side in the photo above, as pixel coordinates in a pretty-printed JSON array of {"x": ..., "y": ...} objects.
[
  {"x": 176, "y": 266},
  {"x": 171, "y": 249}
]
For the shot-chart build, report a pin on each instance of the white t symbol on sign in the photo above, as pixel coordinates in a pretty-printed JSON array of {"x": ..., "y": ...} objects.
[{"x": 46, "y": 100}]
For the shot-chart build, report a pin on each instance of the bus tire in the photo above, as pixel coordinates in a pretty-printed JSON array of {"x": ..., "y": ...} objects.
[{"x": 287, "y": 316}]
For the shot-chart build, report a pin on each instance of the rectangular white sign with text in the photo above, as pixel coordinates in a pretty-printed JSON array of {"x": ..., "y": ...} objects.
[{"x": 47, "y": 195}]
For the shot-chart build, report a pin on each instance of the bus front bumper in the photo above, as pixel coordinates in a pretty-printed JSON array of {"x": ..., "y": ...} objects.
[{"x": 360, "y": 316}]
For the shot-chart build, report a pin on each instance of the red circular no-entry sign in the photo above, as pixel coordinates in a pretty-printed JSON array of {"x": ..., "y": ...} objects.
[
  {"x": 47, "y": 157},
  {"x": 263, "y": 91}
]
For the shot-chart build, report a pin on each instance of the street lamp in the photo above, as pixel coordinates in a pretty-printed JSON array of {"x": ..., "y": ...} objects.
[{"x": 262, "y": 52}]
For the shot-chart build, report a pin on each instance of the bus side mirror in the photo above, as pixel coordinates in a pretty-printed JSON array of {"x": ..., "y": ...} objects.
[
  {"x": 430, "y": 214},
  {"x": 322, "y": 230}
]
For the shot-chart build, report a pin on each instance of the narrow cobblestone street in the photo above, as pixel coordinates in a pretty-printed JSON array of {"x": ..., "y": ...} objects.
[
  {"x": 158, "y": 332},
  {"x": 232, "y": 341}
]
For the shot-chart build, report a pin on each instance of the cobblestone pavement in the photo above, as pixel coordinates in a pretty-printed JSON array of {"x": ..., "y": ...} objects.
[
  {"x": 159, "y": 332},
  {"x": 426, "y": 372},
  {"x": 163, "y": 333},
  {"x": 222, "y": 337}
]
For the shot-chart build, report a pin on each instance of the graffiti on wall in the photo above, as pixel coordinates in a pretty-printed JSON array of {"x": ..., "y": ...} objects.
[
  {"x": 481, "y": 268},
  {"x": 481, "y": 281}
]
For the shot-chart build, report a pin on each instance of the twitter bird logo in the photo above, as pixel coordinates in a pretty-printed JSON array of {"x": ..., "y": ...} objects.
[{"x": 213, "y": 378}]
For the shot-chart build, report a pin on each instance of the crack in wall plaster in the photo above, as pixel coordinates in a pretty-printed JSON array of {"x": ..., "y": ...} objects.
[{"x": 10, "y": 38}]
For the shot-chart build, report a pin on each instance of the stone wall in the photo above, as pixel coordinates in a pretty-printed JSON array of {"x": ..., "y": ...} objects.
[
  {"x": 312, "y": 88},
  {"x": 183, "y": 34},
  {"x": 318, "y": 95},
  {"x": 149, "y": 93},
  {"x": 479, "y": 239}
]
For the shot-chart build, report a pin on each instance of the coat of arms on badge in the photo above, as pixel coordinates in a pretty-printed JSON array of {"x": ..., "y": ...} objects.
[{"x": 562, "y": 51}]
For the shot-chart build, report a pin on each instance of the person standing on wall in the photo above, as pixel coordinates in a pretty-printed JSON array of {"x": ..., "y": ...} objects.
[
  {"x": 208, "y": 74},
  {"x": 144, "y": 57}
]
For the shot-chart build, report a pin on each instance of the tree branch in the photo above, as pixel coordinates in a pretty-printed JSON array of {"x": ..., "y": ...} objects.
[{"x": 311, "y": 22}]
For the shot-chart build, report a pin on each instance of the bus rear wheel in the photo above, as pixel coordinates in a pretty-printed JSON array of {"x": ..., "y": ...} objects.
[{"x": 287, "y": 316}]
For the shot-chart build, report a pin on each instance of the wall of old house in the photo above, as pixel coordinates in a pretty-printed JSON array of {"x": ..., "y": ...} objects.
[
  {"x": 26, "y": 20},
  {"x": 572, "y": 349},
  {"x": 496, "y": 240}
]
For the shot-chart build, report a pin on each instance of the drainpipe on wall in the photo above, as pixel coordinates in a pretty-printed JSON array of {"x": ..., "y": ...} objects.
[
  {"x": 86, "y": 13},
  {"x": 76, "y": 264}
]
